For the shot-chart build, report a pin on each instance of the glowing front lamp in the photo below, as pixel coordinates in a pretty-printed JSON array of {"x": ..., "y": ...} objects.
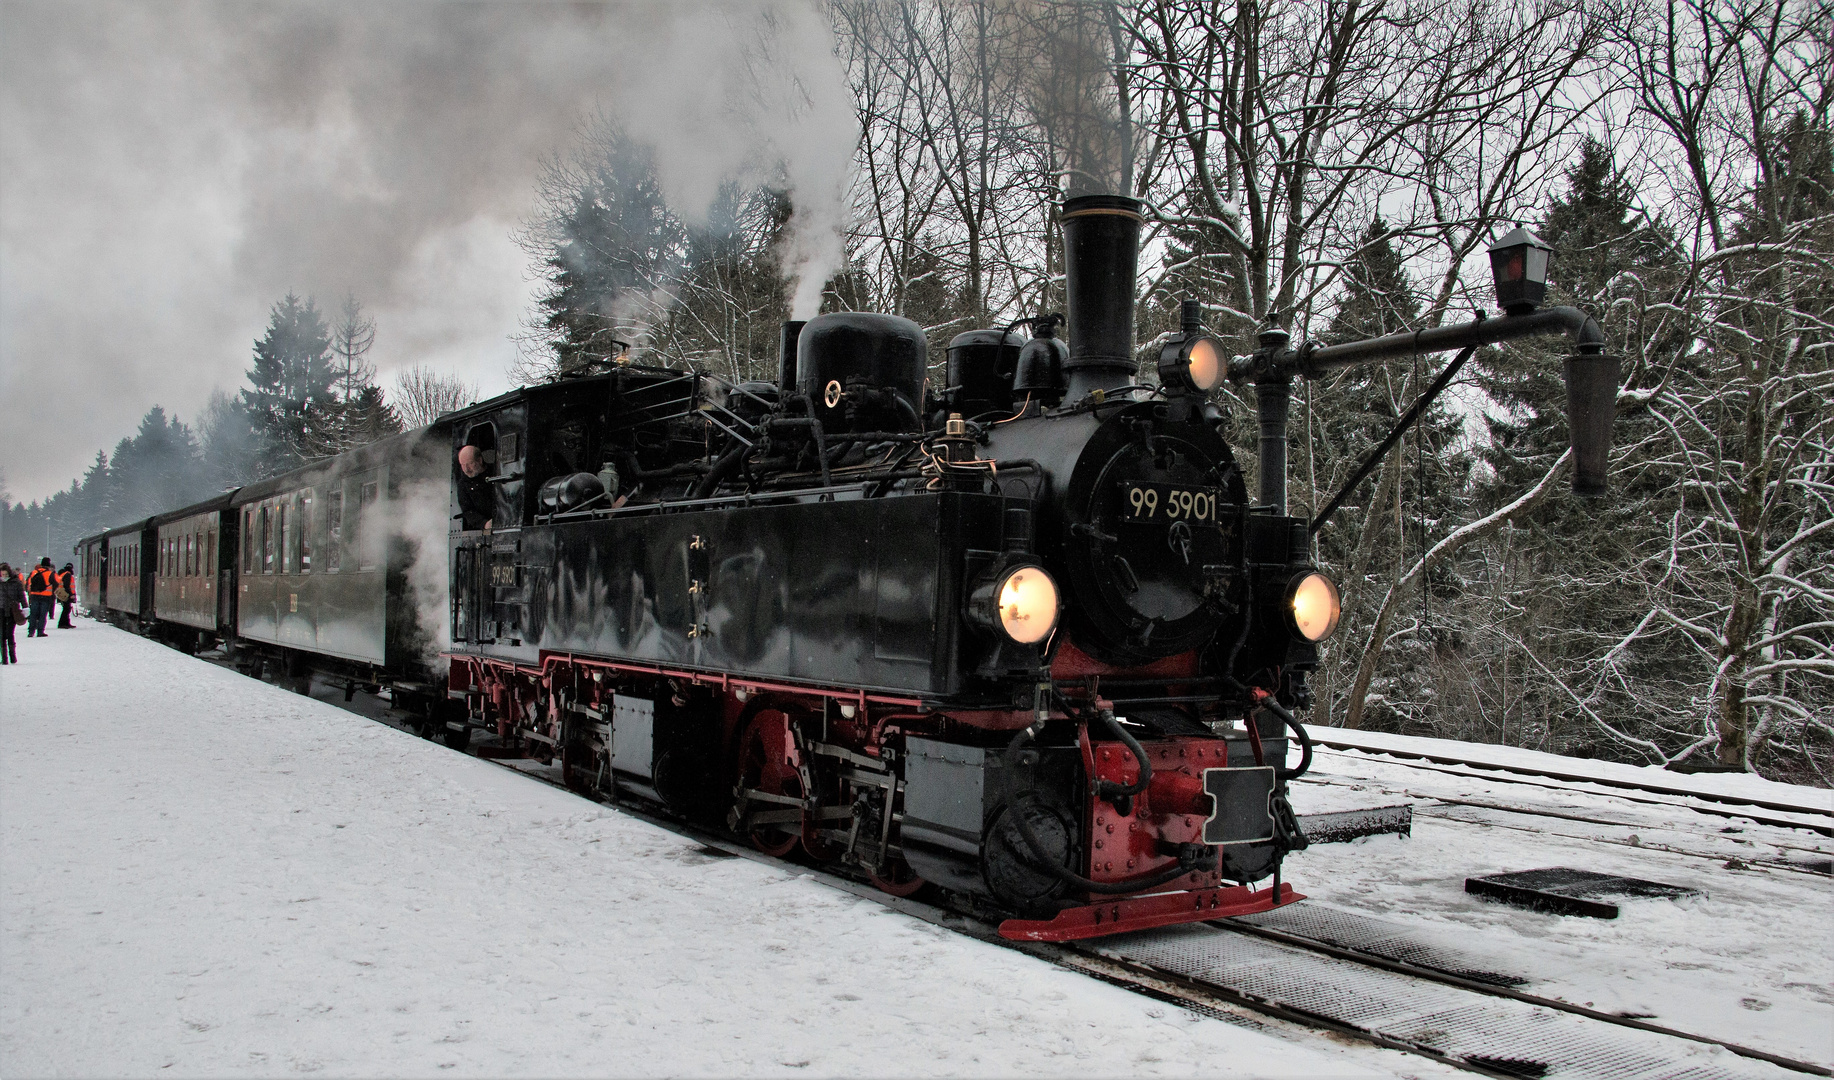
[
  {"x": 1020, "y": 602},
  {"x": 1314, "y": 605},
  {"x": 1028, "y": 605},
  {"x": 1193, "y": 364}
]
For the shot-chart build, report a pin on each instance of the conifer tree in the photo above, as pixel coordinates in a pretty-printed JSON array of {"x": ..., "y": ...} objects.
[
  {"x": 1541, "y": 620},
  {"x": 610, "y": 247},
  {"x": 290, "y": 401}
]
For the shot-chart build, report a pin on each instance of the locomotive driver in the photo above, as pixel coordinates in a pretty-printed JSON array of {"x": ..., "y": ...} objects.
[{"x": 477, "y": 503}]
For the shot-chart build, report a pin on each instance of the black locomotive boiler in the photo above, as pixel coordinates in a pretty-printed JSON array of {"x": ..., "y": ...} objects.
[{"x": 1026, "y": 639}]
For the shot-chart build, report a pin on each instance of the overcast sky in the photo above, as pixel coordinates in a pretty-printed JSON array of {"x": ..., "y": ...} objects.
[{"x": 168, "y": 171}]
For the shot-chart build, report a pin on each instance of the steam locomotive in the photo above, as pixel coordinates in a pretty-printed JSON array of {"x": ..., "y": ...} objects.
[{"x": 1026, "y": 640}]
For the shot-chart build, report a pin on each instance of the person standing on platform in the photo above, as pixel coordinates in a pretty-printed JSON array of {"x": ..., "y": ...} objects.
[
  {"x": 65, "y": 595},
  {"x": 39, "y": 585},
  {"x": 12, "y": 612}
]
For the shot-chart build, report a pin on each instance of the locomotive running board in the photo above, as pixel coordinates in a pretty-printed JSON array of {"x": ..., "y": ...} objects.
[{"x": 1146, "y": 912}]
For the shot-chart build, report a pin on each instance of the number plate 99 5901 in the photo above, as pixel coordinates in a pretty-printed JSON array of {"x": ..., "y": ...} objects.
[{"x": 1167, "y": 503}]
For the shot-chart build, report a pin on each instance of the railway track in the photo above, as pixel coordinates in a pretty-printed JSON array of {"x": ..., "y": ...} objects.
[
  {"x": 1323, "y": 969},
  {"x": 1803, "y": 858},
  {"x": 1789, "y": 815}
]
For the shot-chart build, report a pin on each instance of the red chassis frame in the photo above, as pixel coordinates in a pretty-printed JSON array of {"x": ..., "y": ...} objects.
[{"x": 1123, "y": 846}]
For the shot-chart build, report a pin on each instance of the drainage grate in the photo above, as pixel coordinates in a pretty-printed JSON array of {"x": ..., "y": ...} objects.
[
  {"x": 1498, "y": 1034},
  {"x": 1389, "y": 941},
  {"x": 1564, "y": 891}
]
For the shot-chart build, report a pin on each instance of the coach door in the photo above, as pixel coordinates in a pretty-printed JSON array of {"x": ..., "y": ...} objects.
[{"x": 470, "y": 592}]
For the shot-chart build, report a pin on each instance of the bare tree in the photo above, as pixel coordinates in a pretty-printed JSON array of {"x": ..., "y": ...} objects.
[
  {"x": 1737, "y": 94},
  {"x": 421, "y": 395},
  {"x": 352, "y": 335}
]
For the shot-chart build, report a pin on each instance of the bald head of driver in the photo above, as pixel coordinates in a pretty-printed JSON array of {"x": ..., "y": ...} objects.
[{"x": 470, "y": 460}]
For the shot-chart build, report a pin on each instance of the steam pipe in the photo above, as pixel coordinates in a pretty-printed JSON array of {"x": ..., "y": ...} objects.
[
  {"x": 1313, "y": 361},
  {"x": 1591, "y": 379},
  {"x": 786, "y": 355}
]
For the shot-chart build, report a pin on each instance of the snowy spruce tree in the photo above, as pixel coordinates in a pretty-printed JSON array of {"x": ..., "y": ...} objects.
[
  {"x": 1571, "y": 577},
  {"x": 290, "y": 401}
]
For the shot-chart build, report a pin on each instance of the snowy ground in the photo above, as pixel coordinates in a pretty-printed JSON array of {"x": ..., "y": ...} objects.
[
  {"x": 1750, "y": 961},
  {"x": 205, "y": 875}
]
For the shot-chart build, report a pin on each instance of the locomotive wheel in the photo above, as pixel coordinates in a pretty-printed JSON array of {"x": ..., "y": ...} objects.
[
  {"x": 764, "y": 765},
  {"x": 902, "y": 882}
]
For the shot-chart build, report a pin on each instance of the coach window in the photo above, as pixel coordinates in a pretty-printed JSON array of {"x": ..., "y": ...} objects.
[
  {"x": 267, "y": 540},
  {"x": 334, "y": 530},
  {"x": 306, "y": 526},
  {"x": 290, "y": 522},
  {"x": 369, "y": 556}
]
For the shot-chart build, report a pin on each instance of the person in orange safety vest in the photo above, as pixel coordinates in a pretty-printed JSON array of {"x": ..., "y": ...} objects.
[
  {"x": 65, "y": 595},
  {"x": 39, "y": 585}
]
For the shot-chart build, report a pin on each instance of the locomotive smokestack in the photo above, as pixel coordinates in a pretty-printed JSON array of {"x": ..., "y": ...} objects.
[{"x": 1101, "y": 240}]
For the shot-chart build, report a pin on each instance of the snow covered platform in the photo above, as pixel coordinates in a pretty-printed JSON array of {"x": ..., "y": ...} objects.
[{"x": 206, "y": 875}]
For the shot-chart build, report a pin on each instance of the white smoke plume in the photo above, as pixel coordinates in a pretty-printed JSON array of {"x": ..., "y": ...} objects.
[
  {"x": 423, "y": 515},
  {"x": 173, "y": 169},
  {"x": 766, "y": 101}
]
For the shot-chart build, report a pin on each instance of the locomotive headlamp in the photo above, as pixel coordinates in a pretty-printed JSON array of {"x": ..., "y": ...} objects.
[
  {"x": 1194, "y": 364},
  {"x": 1019, "y": 601},
  {"x": 1518, "y": 263},
  {"x": 1313, "y": 602}
]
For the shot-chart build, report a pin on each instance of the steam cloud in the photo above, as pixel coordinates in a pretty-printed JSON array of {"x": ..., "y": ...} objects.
[
  {"x": 422, "y": 512},
  {"x": 173, "y": 169}
]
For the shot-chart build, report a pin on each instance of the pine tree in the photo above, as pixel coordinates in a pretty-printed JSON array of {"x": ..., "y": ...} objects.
[
  {"x": 158, "y": 469},
  {"x": 290, "y": 402},
  {"x": 609, "y": 246},
  {"x": 369, "y": 417},
  {"x": 1539, "y": 617},
  {"x": 227, "y": 442}
]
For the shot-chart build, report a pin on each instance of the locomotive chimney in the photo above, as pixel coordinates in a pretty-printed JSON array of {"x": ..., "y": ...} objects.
[
  {"x": 1101, "y": 240},
  {"x": 786, "y": 356}
]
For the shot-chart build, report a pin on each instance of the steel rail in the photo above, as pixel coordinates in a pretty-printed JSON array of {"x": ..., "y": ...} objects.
[
  {"x": 1490, "y": 770},
  {"x": 1401, "y": 967}
]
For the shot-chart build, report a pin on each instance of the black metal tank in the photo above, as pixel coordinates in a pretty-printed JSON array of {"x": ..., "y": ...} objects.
[
  {"x": 863, "y": 371},
  {"x": 981, "y": 368}
]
